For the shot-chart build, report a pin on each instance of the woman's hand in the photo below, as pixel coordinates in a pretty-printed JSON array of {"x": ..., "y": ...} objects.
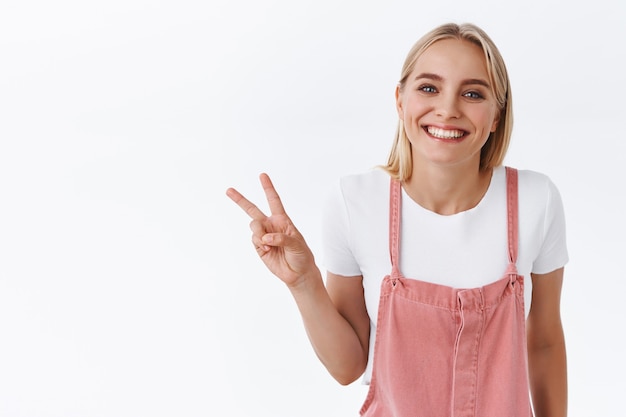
[
  {"x": 284, "y": 251},
  {"x": 277, "y": 241}
]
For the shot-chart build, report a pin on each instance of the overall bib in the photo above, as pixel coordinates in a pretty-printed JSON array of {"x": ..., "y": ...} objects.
[{"x": 449, "y": 352}]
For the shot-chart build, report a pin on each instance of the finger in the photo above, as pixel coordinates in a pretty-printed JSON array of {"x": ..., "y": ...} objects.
[
  {"x": 259, "y": 246},
  {"x": 281, "y": 240},
  {"x": 273, "y": 199},
  {"x": 245, "y": 204},
  {"x": 258, "y": 229}
]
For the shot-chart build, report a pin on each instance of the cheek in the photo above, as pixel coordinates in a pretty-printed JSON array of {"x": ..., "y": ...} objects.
[
  {"x": 413, "y": 108},
  {"x": 485, "y": 120}
]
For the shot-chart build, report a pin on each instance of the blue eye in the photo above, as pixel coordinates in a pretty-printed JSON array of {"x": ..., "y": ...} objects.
[
  {"x": 427, "y": 89},
  {"x": 473, "y": 95}
]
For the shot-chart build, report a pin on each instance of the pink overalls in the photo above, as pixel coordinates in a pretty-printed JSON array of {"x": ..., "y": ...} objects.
[{"x": 446, "y": 352}]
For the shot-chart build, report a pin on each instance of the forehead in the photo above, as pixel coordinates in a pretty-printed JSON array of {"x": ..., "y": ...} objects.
[{"x": 454, "y": 57}]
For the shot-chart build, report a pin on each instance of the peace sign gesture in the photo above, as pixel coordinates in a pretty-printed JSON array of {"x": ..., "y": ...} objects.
[{"x": 277, "y": 241}]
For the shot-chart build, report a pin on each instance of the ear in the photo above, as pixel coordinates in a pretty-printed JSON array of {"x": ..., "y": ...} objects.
[
  {"x": 399, "y": 108},
  {"x": 496, "y": 120}
]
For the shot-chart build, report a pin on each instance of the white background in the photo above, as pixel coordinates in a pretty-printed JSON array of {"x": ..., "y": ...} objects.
[{"x": 128, "y": 285}]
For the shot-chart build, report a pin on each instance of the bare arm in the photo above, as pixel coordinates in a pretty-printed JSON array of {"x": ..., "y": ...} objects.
[
  {"x": 335, "y": 318},
  {"x": 546, "y": 346},
  {"x": 337, "y": 324}
]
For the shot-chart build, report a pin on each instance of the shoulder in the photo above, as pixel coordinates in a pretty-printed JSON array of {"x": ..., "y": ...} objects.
[
  {"x": 536, "y": 186},
  {"x": 542, "y": 222},
  {"x": 530, "y": 178},
  {"x": 356, "y": 189},
  {"x": 374, "y": 177},
  {"x": 372, "y": 183},
  {"x": 539, "y": 198},
  {"x": 533, "y": 186},
  {"x": 360, "y": 196}
]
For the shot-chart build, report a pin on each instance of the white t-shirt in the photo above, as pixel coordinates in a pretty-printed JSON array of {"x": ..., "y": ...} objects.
[{"x": 464, "y": 250}]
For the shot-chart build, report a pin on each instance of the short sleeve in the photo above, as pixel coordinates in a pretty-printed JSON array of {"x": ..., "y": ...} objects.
[
  {"x": 337, "y": 255},
  {"x": 553, "y": 253}
]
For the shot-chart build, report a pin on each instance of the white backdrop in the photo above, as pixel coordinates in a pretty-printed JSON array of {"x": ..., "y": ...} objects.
[{"x": 128, "y": 285}]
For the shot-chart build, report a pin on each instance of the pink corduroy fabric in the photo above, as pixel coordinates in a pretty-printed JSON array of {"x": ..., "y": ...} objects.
[{"x": 447, "y": 352}]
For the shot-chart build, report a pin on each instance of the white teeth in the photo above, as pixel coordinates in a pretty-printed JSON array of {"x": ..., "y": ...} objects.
[{"x": 445, "y": 134}]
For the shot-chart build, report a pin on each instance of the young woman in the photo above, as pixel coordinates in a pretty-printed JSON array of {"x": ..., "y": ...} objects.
[{"x": 444, "y": 267}]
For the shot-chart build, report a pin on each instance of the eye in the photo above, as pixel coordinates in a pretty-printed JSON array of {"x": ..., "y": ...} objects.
[
  {"x": 427, "y": 88},
  {"x": 475, "y": 95}
]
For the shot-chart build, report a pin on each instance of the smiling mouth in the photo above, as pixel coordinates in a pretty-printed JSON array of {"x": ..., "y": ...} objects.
[{"x": 445, "y": 133}]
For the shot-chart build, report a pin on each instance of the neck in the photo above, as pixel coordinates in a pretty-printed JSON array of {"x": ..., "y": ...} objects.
[{"x": 447, "y": 191}]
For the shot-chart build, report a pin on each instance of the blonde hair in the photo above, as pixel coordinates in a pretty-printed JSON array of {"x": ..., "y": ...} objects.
[{"x": 400, "y": 163}]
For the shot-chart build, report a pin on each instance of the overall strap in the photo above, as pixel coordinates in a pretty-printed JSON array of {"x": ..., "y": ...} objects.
[
  {"x": 395, "y": 198},
  {"x": 512, "y": 217},
  {"x": 395, "y": 195}
]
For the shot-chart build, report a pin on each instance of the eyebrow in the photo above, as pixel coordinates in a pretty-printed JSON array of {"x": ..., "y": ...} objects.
[{"x": 436, "y": 77}]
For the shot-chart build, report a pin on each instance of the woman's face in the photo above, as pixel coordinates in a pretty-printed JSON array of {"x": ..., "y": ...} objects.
[{"x": 447, "y": 105}]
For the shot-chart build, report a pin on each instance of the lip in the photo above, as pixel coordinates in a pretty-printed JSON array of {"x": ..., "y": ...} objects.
[{"x": 448, "y": 134}]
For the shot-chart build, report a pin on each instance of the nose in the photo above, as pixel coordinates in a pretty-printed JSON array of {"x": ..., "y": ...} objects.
[{"x": 448, "y": 106}]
